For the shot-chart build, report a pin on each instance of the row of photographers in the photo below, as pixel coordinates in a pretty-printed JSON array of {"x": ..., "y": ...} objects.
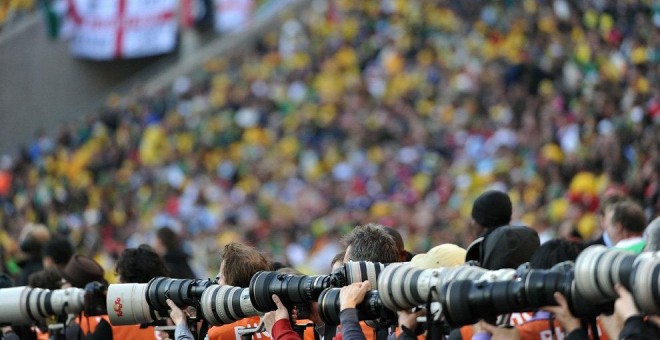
[
  {"x": 61, "y": 269},
  {"x": 499, "y": 246}
]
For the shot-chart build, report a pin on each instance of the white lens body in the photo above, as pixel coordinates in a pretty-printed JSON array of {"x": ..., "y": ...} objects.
[{"x": 127, "y": 304}]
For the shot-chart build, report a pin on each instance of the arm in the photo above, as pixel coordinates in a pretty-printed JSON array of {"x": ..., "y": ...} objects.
[
  {"x": 181, "y": 332},
  {"x": 350, "y": 325},
  {"x": 563, "y": 314},
  {"x": 277, "y": 322},
  {"x": 349, "y": 297}
]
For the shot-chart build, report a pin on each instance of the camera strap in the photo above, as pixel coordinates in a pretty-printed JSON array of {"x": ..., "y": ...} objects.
[
  {"x": 329, "y": 332},
  {"x": 203, "y": 329}
]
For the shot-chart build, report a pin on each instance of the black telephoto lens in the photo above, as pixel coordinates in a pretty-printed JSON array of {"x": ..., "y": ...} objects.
[
  {"x": 291, "y": 289},
  {"x": 371, "y": 308},
  {"x": 182, "y": 292}
]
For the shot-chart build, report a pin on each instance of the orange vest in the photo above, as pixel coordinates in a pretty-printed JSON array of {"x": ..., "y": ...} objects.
[
  {"x": 533, "y": 329},
  {"x": 132, "y": 332},
  {"x": 230, "y": 331}
]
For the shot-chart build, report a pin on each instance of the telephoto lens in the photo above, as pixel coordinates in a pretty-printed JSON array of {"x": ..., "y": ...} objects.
[
  {"x": 127, "y": 304},
  {"x": 598, "y": 269},
  {"x": 25, "y": 305},
  {"x": 402, "y": 286},
  {"x": 138, "y": 303},
  {"x": 371, "y": 308},
  {"x": 291, "y": 289},
  {"x": 223, "y": 304},
  {"x": 357, "y": 271},
  {"x": 466, "y": 301},
  {"x": 182, "y": 292}
]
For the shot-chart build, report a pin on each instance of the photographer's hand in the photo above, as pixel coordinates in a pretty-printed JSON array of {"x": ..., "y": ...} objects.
[
  {"x": 563, "y": 314},
  {"x": 272, "y": 317},
  {"x": 176, "y": 314},
  {"x": 408, "y": 318},
  {"x": 351, "y": 295},
  {"x": 624, "y": 307}
]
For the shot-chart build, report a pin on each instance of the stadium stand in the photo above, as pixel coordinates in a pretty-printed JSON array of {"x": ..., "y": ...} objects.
[{"x": 395, "y": 112}]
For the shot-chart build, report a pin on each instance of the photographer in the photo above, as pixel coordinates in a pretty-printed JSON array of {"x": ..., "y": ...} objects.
[
  {"x": 370, "y": 242},
  {"x": 138, "y": 265},
  {"x": 80, "y": 271},
  {"x": 239, "y": 263}
]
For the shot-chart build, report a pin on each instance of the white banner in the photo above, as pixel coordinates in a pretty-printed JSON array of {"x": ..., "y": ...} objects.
[
  {"x": 231, "y": 15},
  {"x": 117, "y": 29}
]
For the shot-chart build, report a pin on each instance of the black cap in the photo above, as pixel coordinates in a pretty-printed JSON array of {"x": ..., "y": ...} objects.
[{"x": 492, "y": 209}]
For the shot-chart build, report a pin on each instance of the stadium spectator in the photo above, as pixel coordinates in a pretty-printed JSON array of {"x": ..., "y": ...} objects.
[
  {"x": 625, "y": 226},
  {"x": 57, "y": 252},
  {"x": 168, "y": 245},
  {"x": 605, "y": 206},
  {"x": 35, "y": 236}
]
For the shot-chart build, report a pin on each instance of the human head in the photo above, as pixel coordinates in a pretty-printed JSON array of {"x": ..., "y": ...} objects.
[
  {"x": 338, "y": 260},
  {"x": 34, "y": 238},
  {"x": 139, "y": 265},
  {"x": 554, "y": 251},
  {"x": 492, "y": 209},
  {"x": 81, "y": 270},
  {"x": 652, "y": 233},
  {"x": 398, "y": 240},
  {"x": 625, "y": 219},
  {"x": 370, "y": 242},
  {"x": 49, "y": 278},
  {"x": 57, "y": 252},
  {"x": 605, "y": 205},
  {"x": 166, "y": 239},
  {"x": 239, "y": 263}
]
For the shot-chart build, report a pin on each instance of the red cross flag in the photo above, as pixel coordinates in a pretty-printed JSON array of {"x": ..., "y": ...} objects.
[{"x": 121, "y": 29}]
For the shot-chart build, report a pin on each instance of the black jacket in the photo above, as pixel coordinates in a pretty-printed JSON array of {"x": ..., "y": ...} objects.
[{"x": 176, "y": 262}]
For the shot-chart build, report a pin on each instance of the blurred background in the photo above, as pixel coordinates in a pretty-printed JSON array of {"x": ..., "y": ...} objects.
[{"x": 284, "y": 123}]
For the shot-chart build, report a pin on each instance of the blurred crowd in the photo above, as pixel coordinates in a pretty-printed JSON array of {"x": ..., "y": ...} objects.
[{"x": 394, "y": 112}]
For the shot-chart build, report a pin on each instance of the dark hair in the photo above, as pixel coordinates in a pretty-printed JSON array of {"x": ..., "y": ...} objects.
[
  {"x": 554, "y": 251},
  {"x": 338, "y": 258},
  {"x": 139, "y": 265},
  {"x": 59, "y": 249},
  {"x": 49, "y": 278},
  {"x": 168, "y": 237},
  {"x": 609, "y": 201},
  {"x": 6, "y": 281},
  {"x": 630, "y": 215},
  {"x": 240, "y": 263},
  {"x": 371, "y": 242}
]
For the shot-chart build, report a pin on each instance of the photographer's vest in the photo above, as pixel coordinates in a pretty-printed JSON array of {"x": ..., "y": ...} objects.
[
  {"x": 532, "y": 327},
  {"x": 231, "y": 331}
]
